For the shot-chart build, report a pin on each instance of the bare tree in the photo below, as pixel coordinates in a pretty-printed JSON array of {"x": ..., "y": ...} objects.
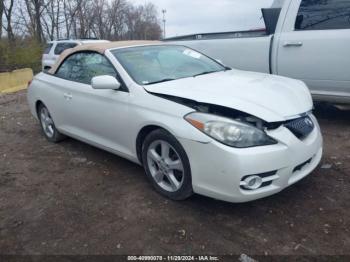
[
  {"x": 35, "y": 11},
  {"x": 69, "y": 12},
  {"x": 100, "y": 21},
  {"x": 8, "y": 11},
  {"x": 84, "y": 15},
  {"x": 1, "y": 14},
  {"x": 51, "y": 19},
  {"x": 150, "y": 25},
  {"x": 58, "y": 15},
  {"x": 142, "y": 22},
  {"x": 116, "y": 16},
  {"x": 107, "y": 19}
]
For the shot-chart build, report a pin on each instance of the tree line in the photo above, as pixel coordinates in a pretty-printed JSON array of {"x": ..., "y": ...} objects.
[
  {"x": 44, "y": 20},
  {"x": 26, "y": 25}
]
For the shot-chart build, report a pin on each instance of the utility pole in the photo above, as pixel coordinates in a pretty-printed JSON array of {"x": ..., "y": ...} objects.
[{"x": 164, "y": 21}]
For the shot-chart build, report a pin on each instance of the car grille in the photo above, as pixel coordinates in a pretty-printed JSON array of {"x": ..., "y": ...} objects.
[{"x": 300, "y": 127}]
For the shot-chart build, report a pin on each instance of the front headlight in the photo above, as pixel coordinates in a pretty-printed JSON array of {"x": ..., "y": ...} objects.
[{"x": 229, "y": 132}]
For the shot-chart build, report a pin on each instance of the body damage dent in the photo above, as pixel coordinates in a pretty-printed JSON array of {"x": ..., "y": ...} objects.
[{"x": 220, "y": 111}]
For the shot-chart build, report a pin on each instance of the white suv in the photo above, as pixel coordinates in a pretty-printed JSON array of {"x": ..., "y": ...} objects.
[{"x": 55, "y": 48}]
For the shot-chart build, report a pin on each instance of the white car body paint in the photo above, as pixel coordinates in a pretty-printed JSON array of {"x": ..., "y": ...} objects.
[
  {"x": 320, "y": 58},
  {"x": 270, "y": 98},
  {"x": 112, "y": 119}
]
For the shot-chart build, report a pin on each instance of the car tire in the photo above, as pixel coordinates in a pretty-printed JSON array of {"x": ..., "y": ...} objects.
[
  {"x": 48, "y": 126},
  {"x": 166, "y": 165}
]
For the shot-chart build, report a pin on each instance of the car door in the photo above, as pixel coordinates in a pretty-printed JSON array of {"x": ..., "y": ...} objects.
[
  {"x": 99, "y": 117},
  {"x": 314, "y": 46}
]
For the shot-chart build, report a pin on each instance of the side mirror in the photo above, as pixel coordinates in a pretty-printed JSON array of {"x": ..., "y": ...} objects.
[{"x": 105, "y": 82}]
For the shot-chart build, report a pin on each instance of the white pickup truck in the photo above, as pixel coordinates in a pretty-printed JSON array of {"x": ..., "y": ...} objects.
[{"x": 304, "y": 39}]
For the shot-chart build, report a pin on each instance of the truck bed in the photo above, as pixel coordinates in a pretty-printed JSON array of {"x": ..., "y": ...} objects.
[{"x": 246, "y": 50}]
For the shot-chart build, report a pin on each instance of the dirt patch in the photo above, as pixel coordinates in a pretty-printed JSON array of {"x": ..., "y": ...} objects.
[{"x": 71, "y": 198}]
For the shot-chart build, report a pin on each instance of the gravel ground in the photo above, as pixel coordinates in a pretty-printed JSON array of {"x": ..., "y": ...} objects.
[{"x": 71, "y": 198}]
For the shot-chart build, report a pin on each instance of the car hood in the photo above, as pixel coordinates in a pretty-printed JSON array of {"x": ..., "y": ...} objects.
[{"x": 268, "y": 97}]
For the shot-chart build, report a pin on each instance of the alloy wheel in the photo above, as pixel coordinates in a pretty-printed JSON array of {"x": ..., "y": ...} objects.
[
  {"x": 165, "y": 165},
  {"x": 47, "y": 122}
]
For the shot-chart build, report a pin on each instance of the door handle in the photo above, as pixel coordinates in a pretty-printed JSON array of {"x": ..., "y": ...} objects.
[
  {"x": 67, "y": 96},
  {"x": 291, "y": 44}
]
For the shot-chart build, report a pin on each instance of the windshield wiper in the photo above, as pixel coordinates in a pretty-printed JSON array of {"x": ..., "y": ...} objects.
[
  {"x": 161, "y": 81},
  {"x": 205, "y": 73}
]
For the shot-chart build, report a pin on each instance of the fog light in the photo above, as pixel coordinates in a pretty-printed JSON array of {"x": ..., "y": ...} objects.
[{"x": 252, "y": 182}]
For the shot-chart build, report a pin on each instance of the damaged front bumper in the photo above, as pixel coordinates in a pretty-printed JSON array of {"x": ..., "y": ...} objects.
[{"x": 218, "y": 170}]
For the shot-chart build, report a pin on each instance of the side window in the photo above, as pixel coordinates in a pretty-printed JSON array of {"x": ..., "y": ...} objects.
[
  {"x": 71, "y": 68},
  {"x": 48, "y": 48},
  {"x": 323, "y": 15},
  {"x": 96, "y": 65},
  {"x": 82, "y": 67},
  {"x": 60, "y": 47}
]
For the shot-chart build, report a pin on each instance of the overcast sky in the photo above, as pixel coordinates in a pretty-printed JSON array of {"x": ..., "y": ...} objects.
[{"x": 200, "y": 16}]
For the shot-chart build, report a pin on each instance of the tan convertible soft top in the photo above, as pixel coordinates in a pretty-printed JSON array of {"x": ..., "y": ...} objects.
[{"x": 100, "y": 48}]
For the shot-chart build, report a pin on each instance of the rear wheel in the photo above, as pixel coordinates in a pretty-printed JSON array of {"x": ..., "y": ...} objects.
[
  {"x": 48, "y": 126},
  {"x": 167, "y": 165}
]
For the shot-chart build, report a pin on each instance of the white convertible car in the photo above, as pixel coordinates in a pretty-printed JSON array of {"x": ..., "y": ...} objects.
[{"x": 194, "y": 124}]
